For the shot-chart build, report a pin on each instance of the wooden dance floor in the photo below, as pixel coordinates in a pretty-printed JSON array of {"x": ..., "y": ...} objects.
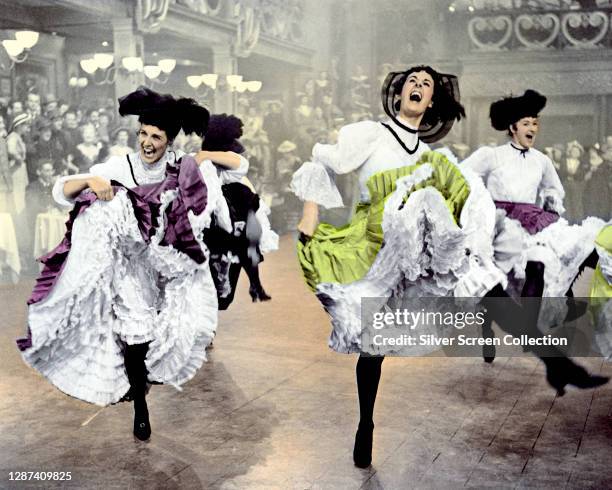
[{"x": 275, "y": 408}]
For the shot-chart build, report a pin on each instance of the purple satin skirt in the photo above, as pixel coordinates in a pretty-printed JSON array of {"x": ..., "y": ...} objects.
[
  {"x": 192, "y": 196},
  {"x": 533, "y": 218}
]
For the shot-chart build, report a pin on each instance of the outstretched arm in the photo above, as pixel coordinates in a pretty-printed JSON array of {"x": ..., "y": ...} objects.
[
  {"x": 313, "y": 182},
  {"x": 227, "y": 159}
]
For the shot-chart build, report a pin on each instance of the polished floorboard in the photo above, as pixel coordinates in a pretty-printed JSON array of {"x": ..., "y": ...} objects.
[{"x": 274, "y": 408}]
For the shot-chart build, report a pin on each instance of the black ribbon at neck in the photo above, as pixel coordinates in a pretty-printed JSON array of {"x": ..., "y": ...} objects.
[
  {"x": 405, "y": 127},
  {"x": 399, "y": 140},
  {"x": 523, "y": 151}
]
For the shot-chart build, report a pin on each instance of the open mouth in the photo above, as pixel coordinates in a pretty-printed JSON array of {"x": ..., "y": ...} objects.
[
  {"x": 529, "y": 137},
  {"x": 416, "y": 96},
  {"x": 148, "y": 152}
]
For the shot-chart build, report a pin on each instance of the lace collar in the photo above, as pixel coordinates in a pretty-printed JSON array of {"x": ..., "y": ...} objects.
[{"x": 151, "y": 173}]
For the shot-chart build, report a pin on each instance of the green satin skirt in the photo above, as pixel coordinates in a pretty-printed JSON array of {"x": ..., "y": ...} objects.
[{"x": 345, "y": 254}]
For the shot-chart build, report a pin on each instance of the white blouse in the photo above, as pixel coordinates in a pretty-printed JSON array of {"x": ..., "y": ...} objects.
[
  {"x": 518, "y": 176},
  {"x": 366, "y": 147},
  {"x": 117, "y": 168}
]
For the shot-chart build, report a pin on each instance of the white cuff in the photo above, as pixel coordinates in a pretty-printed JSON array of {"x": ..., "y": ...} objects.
[
  {"x": 551, "y": 200},
  {"x": 312, "y": 182},
  {"x": 58, "y": 189}
]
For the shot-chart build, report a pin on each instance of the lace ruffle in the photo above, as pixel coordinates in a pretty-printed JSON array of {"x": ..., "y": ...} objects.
[
  {"x": 561, "y": 247},
  {"x": 421, "y": 239},
  {"x": 312, "y": 182},
  {"x": 269, "y": 238},
  {"x": 217, "y": 203},
  {"x": 115, "y": 288},
  {"x": 478, "y": 218}
]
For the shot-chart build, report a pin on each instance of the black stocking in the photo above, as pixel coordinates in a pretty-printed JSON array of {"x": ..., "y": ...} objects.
[
  {"x": 368, "y": 376},
  {"x": 250, "y": 258},
  {"x": 534, "y": 280},
  {"x": 137, "y": 375}
]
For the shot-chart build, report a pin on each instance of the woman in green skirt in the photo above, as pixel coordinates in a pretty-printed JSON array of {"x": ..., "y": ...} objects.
[
  {"x": 410, "y": 196},
  {"x": 423, "y": 228}
]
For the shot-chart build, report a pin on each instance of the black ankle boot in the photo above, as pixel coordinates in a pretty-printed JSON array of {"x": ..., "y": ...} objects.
[
  {"x": 561, "y": 371},
  {"x": 136, "y": 370},
  {"x": 142, "y": 427},
  {"x": 362, "y": 452},
  {"x": 259, "y": 294}
]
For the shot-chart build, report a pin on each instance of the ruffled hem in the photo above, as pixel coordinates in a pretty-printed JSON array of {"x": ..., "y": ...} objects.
[
  {"x": 312, "y": 182},
  {"x": 425, "y": 251},
  {"x": 421, "y": 240},
  {"x": 116, "y": 289},
  {"x": 561, "y": 247},
  {"x": 269, "y": 238},
  {"x": 477, "y": 220}
]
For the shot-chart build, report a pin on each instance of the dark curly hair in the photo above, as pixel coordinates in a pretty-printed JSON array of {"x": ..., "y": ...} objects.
[
  {"x": 165, "y": 112},
  {"x": 444, "y": 108},
  {"x": 223, "y": 133},
  {"x": 506, "y": 112}
]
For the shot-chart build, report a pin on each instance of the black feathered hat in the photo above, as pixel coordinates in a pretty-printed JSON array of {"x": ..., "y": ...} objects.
[
  {"x": 438, "y": 119},
  {"x": 223, "y": 133},
  {"x": 165, "y": 112},
  {"x": 507, "y": 111}
]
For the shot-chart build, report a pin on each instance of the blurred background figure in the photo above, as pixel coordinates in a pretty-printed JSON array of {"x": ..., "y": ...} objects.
[
  {"x": 121, "y": 137},
  {"x": 286, "y": 212},
  {"x": 572, "y": 175}
]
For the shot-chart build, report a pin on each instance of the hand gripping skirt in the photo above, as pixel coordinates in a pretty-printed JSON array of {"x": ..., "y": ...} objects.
[
  {"x": 526, "y": 232},
  {"x": 129, "y": 271}
]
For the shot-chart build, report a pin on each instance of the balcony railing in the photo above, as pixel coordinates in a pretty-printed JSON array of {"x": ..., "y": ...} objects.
[{"x": 528, "y": 29}]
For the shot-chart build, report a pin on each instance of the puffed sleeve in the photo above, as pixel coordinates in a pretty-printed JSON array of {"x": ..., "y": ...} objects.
[
  {"x": 230, "y": 175},
  {"x": 550, "y": 192},
  {"x": 480, "y": 162},
  {"x": 314, "y": 180},
  {"x": 108, "y": 170}
]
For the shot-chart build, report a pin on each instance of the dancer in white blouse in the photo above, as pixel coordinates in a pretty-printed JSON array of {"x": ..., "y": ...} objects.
[
  {"x": 128, "y": 296},
  {"x": 538, "y": 250},
  {"x": 437, "y": 221},
  {"x": 533, "y": 240},
  {"x": 404, "y": 189}
]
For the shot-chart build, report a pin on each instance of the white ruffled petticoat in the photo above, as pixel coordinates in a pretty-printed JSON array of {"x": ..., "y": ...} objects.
[
  {"x": 268, "y": 241},
  {"x": 561, "y": 247},
  {"x": 115, "y": 289},
  {"x": 425, "y": 253}
]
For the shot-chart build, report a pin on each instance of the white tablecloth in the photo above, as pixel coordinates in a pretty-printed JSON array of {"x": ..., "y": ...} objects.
[
  {"x": 9, "y": 253},
  {"x": 49, "y": 231}
]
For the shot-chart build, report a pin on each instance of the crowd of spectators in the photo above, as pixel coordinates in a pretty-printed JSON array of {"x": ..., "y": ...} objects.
[{"x": 42, "y": 138}]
